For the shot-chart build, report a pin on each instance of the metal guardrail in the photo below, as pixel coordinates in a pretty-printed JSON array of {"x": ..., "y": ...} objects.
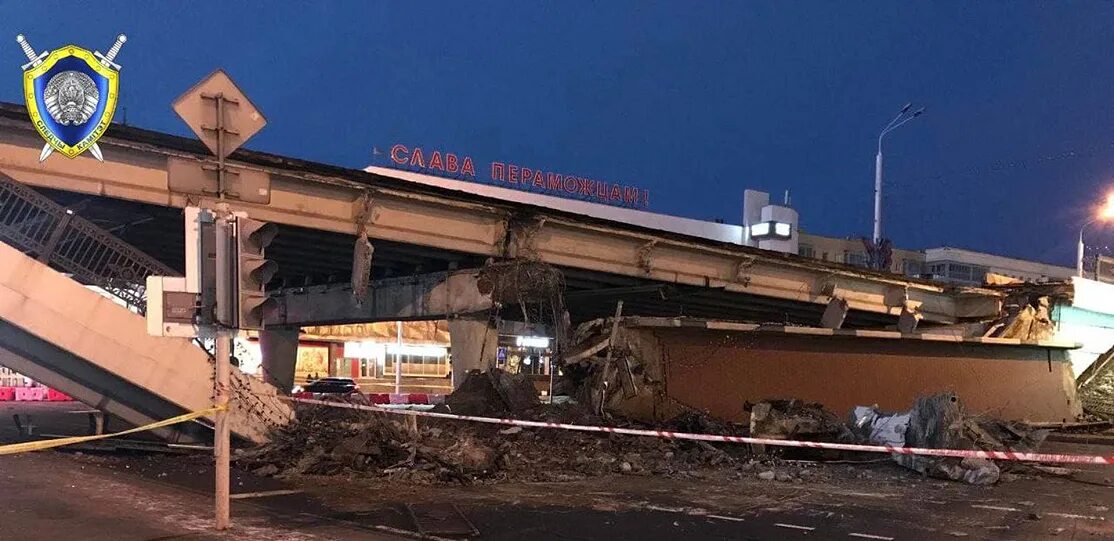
[{"x": 35, "y": 224}]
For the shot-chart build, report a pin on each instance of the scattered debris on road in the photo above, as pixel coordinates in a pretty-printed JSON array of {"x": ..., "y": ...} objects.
[{"x": 327, "y": 441}]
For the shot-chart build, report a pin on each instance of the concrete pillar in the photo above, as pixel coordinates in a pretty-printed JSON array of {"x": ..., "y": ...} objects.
[
  {"x": 279, "y": 347},
  {"x": 473, "y": 342}
]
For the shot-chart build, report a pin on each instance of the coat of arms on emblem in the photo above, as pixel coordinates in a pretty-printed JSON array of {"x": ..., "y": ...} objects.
[{"x": 71, "y": 96}]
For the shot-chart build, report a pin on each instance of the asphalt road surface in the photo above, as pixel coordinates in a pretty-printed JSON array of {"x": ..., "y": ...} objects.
[{"x": 141, "y": 496}]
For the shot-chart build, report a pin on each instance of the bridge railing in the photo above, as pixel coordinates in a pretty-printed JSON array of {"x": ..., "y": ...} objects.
[{"x": 35, "y": 224}]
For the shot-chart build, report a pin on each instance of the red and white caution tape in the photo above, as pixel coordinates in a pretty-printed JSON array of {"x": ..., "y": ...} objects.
[{"x": 957, "y": 453}]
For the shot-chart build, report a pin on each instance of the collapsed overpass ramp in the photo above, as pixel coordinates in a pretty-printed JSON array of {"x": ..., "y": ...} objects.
[{"x": 73, "y": 339}]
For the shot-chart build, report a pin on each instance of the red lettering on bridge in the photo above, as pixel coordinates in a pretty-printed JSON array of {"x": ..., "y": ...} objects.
[{"x": 532, "y": 179}]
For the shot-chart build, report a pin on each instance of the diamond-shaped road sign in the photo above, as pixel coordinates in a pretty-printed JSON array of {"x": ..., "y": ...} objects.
[{"x": 198, "y": 107}]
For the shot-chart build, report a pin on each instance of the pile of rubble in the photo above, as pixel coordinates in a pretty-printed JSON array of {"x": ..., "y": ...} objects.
[{"x": 333, "y": 441}]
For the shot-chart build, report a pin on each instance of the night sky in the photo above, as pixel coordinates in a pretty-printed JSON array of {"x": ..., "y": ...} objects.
[{"x": 695, "y": 101}]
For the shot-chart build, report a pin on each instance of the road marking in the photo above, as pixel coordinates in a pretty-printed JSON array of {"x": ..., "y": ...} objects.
[
  {"x": 1069, "y": 515},
  {"x": 794, "y": 527},
  {"x": 867, "y": 494},
  {"x": 666, "y": 509},
  {"x": 692, "y": 512},
  {"x": 1049, "y": 513},
  {"x": 995, "y": 508},
  {"x": 869, "y": 536},
  {"x": 262, "y": 494}
]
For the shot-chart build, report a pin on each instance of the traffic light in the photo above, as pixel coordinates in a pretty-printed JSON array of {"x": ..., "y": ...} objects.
[{"x": 253, "y": 271}]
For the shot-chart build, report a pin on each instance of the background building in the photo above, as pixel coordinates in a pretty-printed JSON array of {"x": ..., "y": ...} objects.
[
  {"x": 851, "y": 251},
  {"x": 955, "y": 265}
]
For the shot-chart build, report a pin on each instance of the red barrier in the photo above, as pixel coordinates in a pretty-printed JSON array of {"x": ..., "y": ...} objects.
[
  {"x": 418, "y": 398},
  {"x": 7, "y": 394},
  {"x": 379, "y": 398},
  {"x": 30, "y": 394},
  {"x": 303, "y": 394},
  {"x": 57, "y": 396}
]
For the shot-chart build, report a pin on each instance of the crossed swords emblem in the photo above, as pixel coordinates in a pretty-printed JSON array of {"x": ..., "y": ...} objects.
[{"x": 35, "y": 59}]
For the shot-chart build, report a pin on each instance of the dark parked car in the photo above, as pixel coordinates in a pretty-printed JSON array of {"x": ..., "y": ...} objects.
[{"x": 330, "y": 386}]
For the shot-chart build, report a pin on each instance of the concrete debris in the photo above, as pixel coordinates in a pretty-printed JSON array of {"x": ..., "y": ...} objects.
[
  {"x": 633, "y": 387},
  {"x": 938, "y": 422},
  {"x": 1026, "y": 321},
  {"x": 495, "y": 392},
  {"x": 795, "y": 419},
  {"x": 330, "y": 441},
  {"x": 255, "y": 407}
]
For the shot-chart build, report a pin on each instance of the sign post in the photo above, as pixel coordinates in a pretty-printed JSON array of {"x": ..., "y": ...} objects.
[
  {"x": 224, "y": 119},
  {"x": 223, "y": 322},
  {"x": 222, "y": 437}
]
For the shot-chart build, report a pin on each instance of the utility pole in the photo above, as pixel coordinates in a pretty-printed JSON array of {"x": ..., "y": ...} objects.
[{"x": 398, "y": 357}]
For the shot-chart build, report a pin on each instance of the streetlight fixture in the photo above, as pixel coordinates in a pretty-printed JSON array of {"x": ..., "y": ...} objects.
[
  {"x": 900, "y": 120},
  {"x": 1105, "y": 214}
]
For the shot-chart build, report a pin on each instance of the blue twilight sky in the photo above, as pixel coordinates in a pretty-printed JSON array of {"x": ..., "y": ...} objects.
[{"x": 694, "y": 100}]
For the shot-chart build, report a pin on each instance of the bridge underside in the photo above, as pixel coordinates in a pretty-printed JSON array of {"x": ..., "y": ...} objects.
[{"x": 310, "y": 257}]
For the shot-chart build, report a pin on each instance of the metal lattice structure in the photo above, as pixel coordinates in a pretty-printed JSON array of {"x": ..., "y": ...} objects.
[{"x": 35, "y": 224}]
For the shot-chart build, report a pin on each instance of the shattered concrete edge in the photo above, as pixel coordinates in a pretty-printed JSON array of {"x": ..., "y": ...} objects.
[{"x": 255, "y": 408}]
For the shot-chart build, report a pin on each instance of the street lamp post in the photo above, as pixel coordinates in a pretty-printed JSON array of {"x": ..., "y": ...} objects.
[
  {"x": 1079, "y": 249},
  {"x": 1106, "y": 214},
  {"x": 898, "y": 121}
]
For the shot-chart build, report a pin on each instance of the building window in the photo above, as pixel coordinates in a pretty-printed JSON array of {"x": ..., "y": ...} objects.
[
  {"x": 806, "y": 250},
  {"x": 825, "y": 256},
  {"x": 966, "y": 273},
  {"x": 857, "y": 259},
  {"x": 417, "y": 365},
  {"x": 911, "y": 267},
  {"x": 959, "y": 272}
]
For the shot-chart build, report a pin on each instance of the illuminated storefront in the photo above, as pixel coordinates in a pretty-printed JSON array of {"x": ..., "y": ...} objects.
[
  {"x": 530, "y": 355},
  {"x": 312, "y": 361},
  {"x": 377, "y": 359},
  {"x": 369, "y": 353}
]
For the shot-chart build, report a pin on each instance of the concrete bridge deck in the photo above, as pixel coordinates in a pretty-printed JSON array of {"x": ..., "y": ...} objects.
[{"x": 415, "y": 229}]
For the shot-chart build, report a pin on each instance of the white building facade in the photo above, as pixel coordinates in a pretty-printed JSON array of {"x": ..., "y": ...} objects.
[{"x": 960, "y": 266}]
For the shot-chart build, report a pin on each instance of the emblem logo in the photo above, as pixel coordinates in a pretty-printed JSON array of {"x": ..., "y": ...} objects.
[{"x": 71, "y": 96}]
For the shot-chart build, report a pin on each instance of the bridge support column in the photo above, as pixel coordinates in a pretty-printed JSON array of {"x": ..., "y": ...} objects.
[
  {"x": 279, "y": 347},
  {"x": 474, "y": 342}
]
